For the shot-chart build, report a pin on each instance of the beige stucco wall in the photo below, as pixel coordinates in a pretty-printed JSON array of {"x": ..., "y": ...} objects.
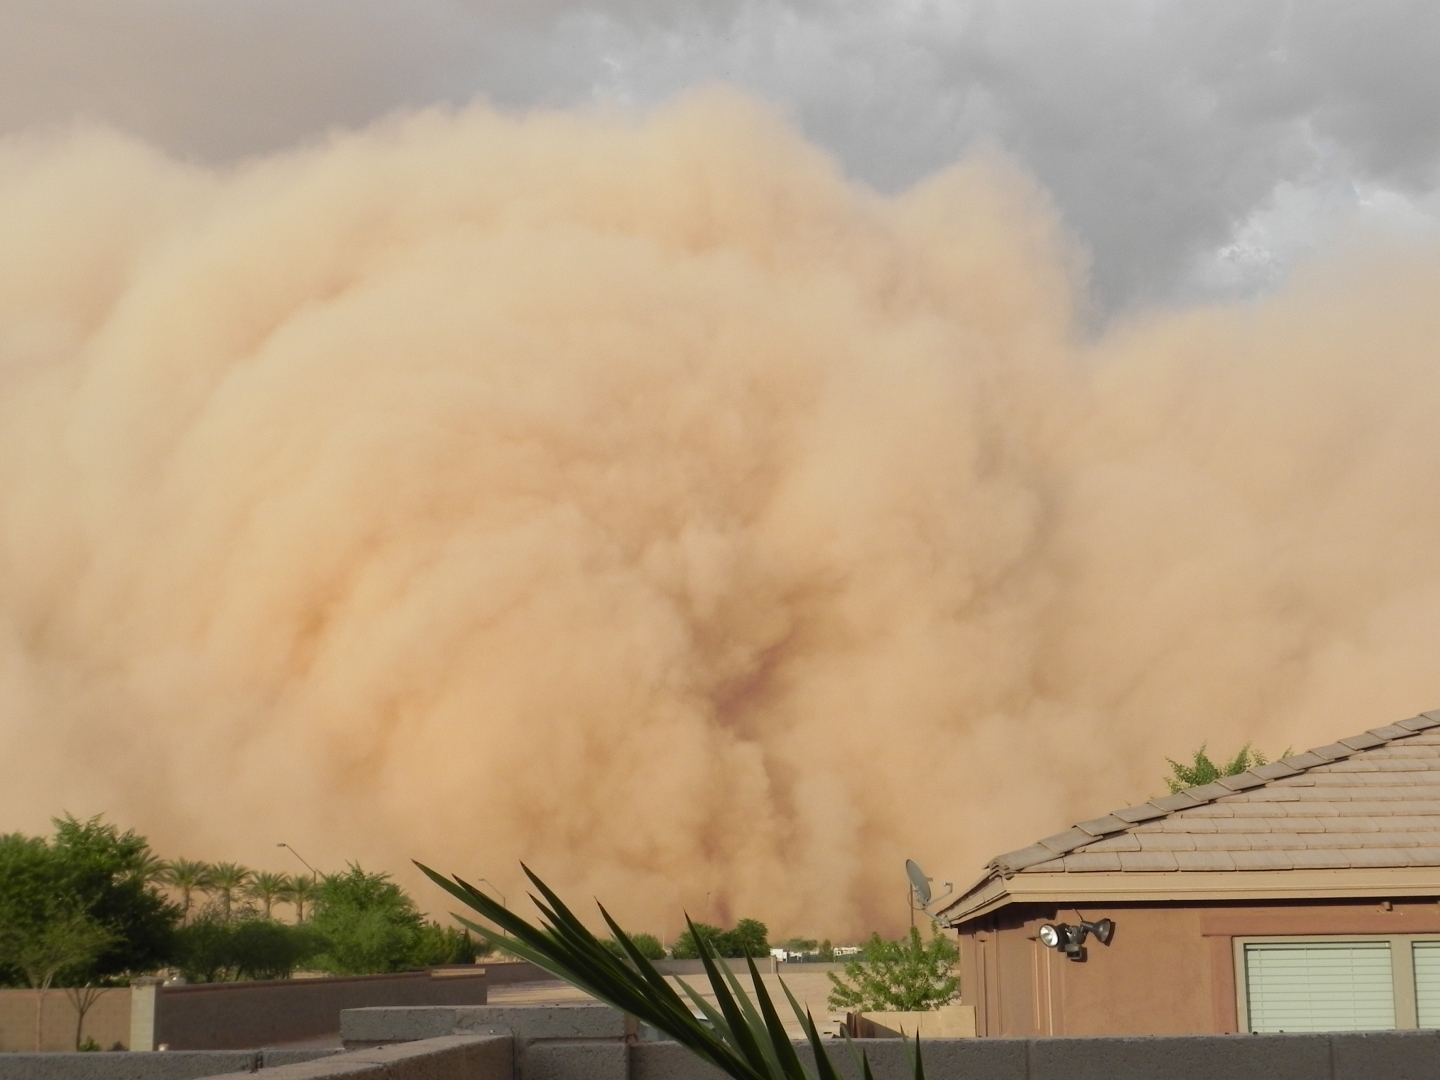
[
  {"x": 1168, "y": 971},
  {"x": 107, "y": 1022}
]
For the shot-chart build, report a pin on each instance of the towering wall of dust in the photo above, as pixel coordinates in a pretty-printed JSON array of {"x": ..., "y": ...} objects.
[{"x": 645, "y": 501}]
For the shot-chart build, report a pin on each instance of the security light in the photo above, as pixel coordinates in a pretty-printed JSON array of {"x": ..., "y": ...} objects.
[{"x": 1071, "y": 939}]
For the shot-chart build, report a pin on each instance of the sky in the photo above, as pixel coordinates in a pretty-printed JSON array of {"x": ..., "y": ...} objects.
[{"x": 1197, "y": 151}]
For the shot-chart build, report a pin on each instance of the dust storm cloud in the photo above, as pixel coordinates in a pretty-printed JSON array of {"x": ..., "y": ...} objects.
[{"x": 641, "y": 498}]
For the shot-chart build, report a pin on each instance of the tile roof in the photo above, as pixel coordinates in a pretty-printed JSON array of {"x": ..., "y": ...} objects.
[{"x": 1372, "y": 800}]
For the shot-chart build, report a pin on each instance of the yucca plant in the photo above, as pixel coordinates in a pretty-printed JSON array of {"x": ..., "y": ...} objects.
[{"x": 744, "y": 1039}]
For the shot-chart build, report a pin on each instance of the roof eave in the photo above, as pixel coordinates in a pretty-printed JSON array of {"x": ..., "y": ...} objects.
[{"x": 1181, "y": 886}]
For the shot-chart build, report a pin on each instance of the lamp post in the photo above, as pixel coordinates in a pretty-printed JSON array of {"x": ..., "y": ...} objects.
[
  {"x": 495, "y": 889},
  {"x": 315, "y": 874},
  {"x": 487, "y": 881}
]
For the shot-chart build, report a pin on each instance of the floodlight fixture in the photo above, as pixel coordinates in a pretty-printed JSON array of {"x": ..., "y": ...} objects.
[{"x": 1071, "y": 939}]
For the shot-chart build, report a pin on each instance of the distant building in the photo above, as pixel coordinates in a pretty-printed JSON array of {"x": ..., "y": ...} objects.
[{"x": 1303, "y": 895}]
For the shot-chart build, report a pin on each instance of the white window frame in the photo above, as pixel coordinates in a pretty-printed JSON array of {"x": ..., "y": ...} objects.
[{"x": 1402, "y": 969}]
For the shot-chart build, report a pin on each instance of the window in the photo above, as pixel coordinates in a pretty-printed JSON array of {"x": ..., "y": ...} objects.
[
  {"x": 1315, "y": 986},
  {"x": 1426, "y": 955},
  {"x": 1361, "y": 983}
]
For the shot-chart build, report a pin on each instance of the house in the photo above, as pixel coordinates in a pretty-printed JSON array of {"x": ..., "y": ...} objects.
[{"x": 1302, "y": 895}]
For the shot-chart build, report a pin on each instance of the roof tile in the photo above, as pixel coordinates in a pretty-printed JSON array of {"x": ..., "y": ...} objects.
[
  {"x": 1244, "y": 825},
  {"x": 1389, "y": 731},
  {"x": 1186, "y": 823},
  {"x": 1208, "y": 792},
  {"x": 1241, "y": 781},
  {"x": 1338, "y": 841},
  {"x": 1118, "y": 842},
  {"x": 1306, "y": 760},
  {"x": 1363, "y": 741},
  {"x": 1068, "y": 840},
  {"x": 1273, "y": 793},
  {"x": 1104, "y": 826},
  {"x": 1275, "y": 841},
  {"x": 1162, "y": 841},
  {"x": 1262, "y": 860},
  {"x": 1353, "y": 824},
  {"x": 1418, "y": 723},
  {"x": 1143, "y": 812},
  {"x": 1204, "y": 860},
  {"x": 1091, "y": 861},
  {"x": 1147, "y": 860},
  {"x": 1023, "y": 858},
  {"x": 1380, "y": 856},
  {"x": 1221, "y": 842},
  {"x": 1179, "y": 801},
  {"x": 1274, "y": 770},
  {"x": 1332, "y": 751},
  {"x": 1319, "y": 859}
]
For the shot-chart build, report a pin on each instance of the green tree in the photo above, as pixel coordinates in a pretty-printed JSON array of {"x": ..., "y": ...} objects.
[
  {"x": 1202, "y": 770},
  {"x": 88, "y": 867},
  {"x": 186, "y": 876},
  {"x": 83, "y": 999},
  {"x": 749, "y": 937},
  {"x": 648, "y": 944},
  {"x": 908, "y": 975},
  {"x": 228, "y": 880},
  {"x": 685, "y": 947},
  {"x": 368, "y": 923},
  {"x": 68, "y": 940},
  {"x": 268, "y": 888}
]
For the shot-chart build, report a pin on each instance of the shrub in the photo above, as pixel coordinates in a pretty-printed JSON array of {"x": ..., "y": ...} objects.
[
  {"x": 216, "y": 949},
  {"x": 648, "y": 944},
  {"x": 906, "y": 975}
]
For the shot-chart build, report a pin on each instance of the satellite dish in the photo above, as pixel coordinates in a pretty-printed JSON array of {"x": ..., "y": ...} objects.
[{"x": 918, "y": 881}]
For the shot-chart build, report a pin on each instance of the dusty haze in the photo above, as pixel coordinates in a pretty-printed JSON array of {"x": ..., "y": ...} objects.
[{"x": 642, "y": 499}]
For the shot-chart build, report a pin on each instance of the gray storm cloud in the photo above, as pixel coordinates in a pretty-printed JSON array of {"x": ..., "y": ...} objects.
[
  {"x": 1198, "y": 151},
  {"x": 640, "y": 497}
]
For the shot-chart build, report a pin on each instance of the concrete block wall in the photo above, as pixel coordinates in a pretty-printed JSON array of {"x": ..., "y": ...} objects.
[
  {"x": 231, "y": 1016},
  {"x": 125, "y": 1066},
  {"x": 593, "y": 1042}
]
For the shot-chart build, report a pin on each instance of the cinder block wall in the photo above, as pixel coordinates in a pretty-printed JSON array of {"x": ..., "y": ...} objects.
[
  {"x": 596, "y": 1043},
  {"x": 237, "y": 1016}
]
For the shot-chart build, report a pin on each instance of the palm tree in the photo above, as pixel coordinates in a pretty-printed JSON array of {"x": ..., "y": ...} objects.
[
  {"x": 147, "y": 867},
  {"x": 186, "y": 876},
  {"x": 227, "y": 879},
  {"x": 302, "y": 890},
  {"x": 267, "y": 888}
]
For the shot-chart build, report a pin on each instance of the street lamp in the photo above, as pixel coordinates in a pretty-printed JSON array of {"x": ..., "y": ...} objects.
[
  {"x": 313, "y": 872},
  {"x": 496, "y": 890}
]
